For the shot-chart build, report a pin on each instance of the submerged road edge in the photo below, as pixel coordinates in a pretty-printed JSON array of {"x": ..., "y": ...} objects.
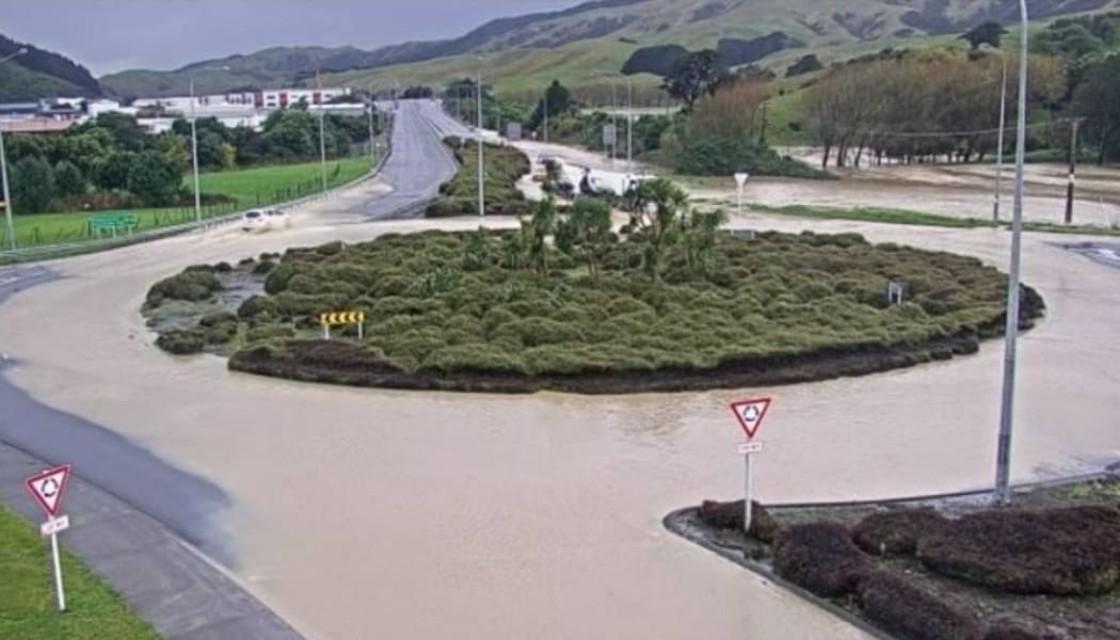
[{"x": 165, "y": 580}]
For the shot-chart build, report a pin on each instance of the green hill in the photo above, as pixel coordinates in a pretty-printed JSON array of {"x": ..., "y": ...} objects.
[
  {"x": 594, "y": 39},
  {"x": 41, "y": 74}
]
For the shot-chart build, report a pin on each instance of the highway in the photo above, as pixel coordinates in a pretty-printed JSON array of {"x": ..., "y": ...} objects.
[{"x": 369, "y": 513}]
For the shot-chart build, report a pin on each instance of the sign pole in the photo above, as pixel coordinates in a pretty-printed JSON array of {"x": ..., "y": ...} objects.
[
  {"x": 57, "y": 571},
  {"x": 747, "y": 501}
]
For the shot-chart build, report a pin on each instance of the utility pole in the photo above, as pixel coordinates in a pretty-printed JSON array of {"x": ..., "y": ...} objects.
[
  {"x": 373, "y": 152},
  {"x": 194, "y": 158},
  {"x": 1007, "y": 405},
  {"x": 629, "y": 125},
  {"x": 481, "y": 157},
  {"x": 4, "y": 172},
  {"x": 1072, "y": 171},
  {"x": 999, "y": 144},
  {"x": 322, "y": 131}
]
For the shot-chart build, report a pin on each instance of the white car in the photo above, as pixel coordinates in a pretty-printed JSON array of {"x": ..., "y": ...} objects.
[
  {"x": 260, "y": 220},
  {"x": 254, "y": 221}
]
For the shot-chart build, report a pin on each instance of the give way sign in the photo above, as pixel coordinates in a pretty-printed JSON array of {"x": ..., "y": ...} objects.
[
  {"x": 750, "y": 414},
  {"x": 48, "y": 488}
]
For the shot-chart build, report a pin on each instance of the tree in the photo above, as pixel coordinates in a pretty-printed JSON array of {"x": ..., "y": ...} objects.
[
  {"x": 655, "y": 207},
  {"x": 68, "y": 179},
  {"x": 698, "y": 237},
  {"x": 559, "y": 101},
  {"x": 693, "y": 76},
  {"x": 155, "y": 178},
  {"x": 538, "y": 228},
  {"x": 1098, "y": 101},
  {"x": 32, "y": 185},
  {"x": 587, "y": 230},
  {"x": 989, "y": 33},
  {"x": 804, "y": 64}
]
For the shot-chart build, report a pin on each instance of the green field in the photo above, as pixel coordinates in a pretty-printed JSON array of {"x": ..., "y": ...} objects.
[
  {"x": 247, "y": 187},
  {"x": 27, "y": 600}
]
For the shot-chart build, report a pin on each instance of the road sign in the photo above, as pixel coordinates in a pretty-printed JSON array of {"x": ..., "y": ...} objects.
[
  {"x": 747, "y": 448},
  {"x": 741, "y": 180},
  {"x": 49, "y": 487},
  {"x": 114, "y": 222},
  {"x": 750, "y": 414},
  {"x": 513, "y": 131},
  {"x": 610, "y": 135},
  {"x": 55, "y": 526},
  {"x": 337, "y": 318}
]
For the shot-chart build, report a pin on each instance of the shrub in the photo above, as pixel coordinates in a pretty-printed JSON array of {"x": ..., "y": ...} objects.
[
  {"x": 182, "y": 342},
  {"x": 729, "y": 515},
  {"x": 820, "y": 557},
  {"x": 896, "y": 532},
  {"x": 190, "y": 286},
  {"x": 912, "y": 613},
  {"x": 473, "y": 358},
  {"x": 1073, "y": 551},
  {"x": 1011, "y": 629},
  {"x": 257, "y": 306},
  {"x": 270, "y": 332}
]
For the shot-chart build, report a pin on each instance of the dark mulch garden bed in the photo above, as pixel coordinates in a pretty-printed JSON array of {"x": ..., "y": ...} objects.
[{"x": 952, "y": 569}]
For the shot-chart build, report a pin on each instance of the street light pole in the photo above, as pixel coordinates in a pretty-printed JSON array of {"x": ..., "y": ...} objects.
[
  {"x": 372, "y": 151},
  {"x": 194, "y": 158},
  {"x": 481, "y": 157},
  {"x": 629, "y": 125},
  {"x": 999, "y": 144},
  {"x": 4, "y": 171},
  {"x": 1007, "y": 408},
  {"x": 322, "y": 132}
]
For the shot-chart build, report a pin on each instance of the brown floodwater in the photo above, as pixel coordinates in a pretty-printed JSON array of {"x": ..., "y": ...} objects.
[{"x": 367, "y": 513}]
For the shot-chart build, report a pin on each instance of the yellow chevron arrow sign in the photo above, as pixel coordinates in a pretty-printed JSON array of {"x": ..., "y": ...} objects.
[{"x": 337, "y": 318}]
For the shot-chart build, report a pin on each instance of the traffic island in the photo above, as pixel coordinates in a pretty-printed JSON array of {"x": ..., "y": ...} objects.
[
  {"x": 500, "y": 311},
  {"x": 949, "y": 568}
]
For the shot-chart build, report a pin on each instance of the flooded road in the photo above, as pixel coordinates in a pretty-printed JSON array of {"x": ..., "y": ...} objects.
[{"x": 367, "y": 513}]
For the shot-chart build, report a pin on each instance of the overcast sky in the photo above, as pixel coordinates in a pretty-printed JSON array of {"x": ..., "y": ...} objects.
[{"x": 111, "y": 35}]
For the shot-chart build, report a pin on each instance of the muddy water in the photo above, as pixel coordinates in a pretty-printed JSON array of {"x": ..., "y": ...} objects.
[{"x": 364, "y": 513}]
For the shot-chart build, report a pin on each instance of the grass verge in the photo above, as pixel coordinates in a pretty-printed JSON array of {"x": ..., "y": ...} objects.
[
  {"x": 920, "y": 218},
  {"x": 244, "y": 188},
  {"x": 27, "y": 600}
]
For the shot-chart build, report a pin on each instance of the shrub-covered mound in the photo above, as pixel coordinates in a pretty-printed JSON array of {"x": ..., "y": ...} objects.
[
  {"x": 896, "y": 532},
  {"x": 504, "y": 166},
  {"x": 499, "y": 311},
  {"x": 1063, "y": 552}
]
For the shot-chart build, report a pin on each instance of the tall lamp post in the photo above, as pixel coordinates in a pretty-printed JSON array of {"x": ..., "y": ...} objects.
[
  {"x": 1007, "y": 406},
  {"x": 4, "y": 171},
  {"x": 194, "y": 146},
  {"x": 481, "y": 156},
  {"x": 999, "y": 143},
  {"x": 322, "y": 131}
]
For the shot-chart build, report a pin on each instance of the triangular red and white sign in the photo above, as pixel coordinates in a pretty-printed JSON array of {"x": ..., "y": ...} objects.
[
  {"x": 750, "y": 414},
  {"x": 48, "y": 488}
]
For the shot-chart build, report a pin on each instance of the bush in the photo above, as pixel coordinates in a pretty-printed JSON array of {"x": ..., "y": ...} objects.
[
  {"x": 182, "y": 342},
  {"x": 896, "y": 532},
  {"x": 911, "y": 613},
  {"x": 1011, "y": 629},
  {"x": 189, "y": 286},
  {"x": 820, "y": 557},
  {"x": 729, "y": 515},
  {"x": 1066, "y": 552}
]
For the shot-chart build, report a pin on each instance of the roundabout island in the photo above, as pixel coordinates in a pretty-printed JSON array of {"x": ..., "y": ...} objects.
[{"x": 568, "y": 302}]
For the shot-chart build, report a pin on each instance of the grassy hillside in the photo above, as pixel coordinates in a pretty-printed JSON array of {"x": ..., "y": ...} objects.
[
  {"x": 862, "y": 26},
  {"x": 577, "y": 44}
]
